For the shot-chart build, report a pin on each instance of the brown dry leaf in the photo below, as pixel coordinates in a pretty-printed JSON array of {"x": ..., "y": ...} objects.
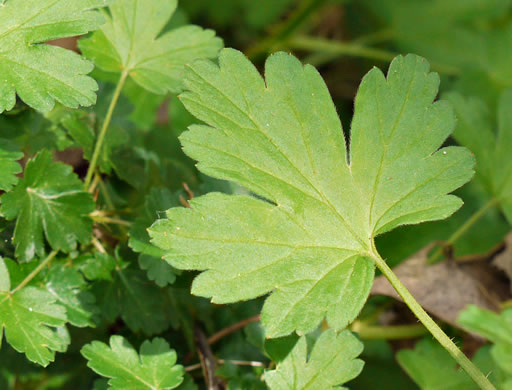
[
  {"x": 444, "y": 289},
  {"x": 503, "y": 261}
]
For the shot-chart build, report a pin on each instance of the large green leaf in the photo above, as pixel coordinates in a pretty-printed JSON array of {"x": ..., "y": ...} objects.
[
  {"x": 311, "y": 242},
  {"x": 332, "y": 362},
  {"x": 155, "y": 367},
  {"x": 43, "y": 74},
  {"x": 27, "y": 318},
  {"x": 132, "y": 41},
  {"x": 9, "y": 153},
  {"x": 48, "y": 201}
]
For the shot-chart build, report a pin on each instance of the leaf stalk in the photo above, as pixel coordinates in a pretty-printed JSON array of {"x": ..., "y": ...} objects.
[
  {"x": 34, "y": 273},
  {"x": 463, "y": 229},
  {"x": 353, "y": 49},
  {"x": 478, "y": 377},
  {"x": 103, "y": 131},
  {"x": 393, "y": 332}
]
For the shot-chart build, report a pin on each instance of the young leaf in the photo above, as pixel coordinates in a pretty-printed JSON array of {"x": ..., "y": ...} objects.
[
  {"x": 154, "y": 368},
  {"x": 43, "y": 74},
  {"x": 27, "y": 318},
  {"x": 132, "y": 42},
  {"x": 9, "y": 154},
  {"x": 49, "y": 200},
  {"x": 432, "y": 368},
  {"x": 311, "y": 243},
  {"x": 332, "y": 362}
]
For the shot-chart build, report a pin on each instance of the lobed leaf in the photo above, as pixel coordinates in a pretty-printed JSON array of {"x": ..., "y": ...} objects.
[
  {"x": 153, "y": 368},
  {"x": 48, "y": 201},
  {"x": 308, "y": 236},
  {"x": 133, "y": 41},
  {"x": 42, "y": 74},
  {"x": 332, "y": 362},
  {"x": 29, "y": 318},
  {"x": 140, "y": 303},
  {"x": 9, "y": 168},
  {"x": 67, "y": 286}
]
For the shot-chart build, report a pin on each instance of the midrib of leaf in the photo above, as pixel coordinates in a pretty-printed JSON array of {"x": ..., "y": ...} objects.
[
  {"x": 42, "y": 11},
  {"x": 65, "y": 303},
  {"x": 50, "y": 198},
  {"x": 317, "y": 374},
  {"x": 257, "y": 128},
  {"x": 386, "y": 145},
  {"x": 132, "y": 374}
]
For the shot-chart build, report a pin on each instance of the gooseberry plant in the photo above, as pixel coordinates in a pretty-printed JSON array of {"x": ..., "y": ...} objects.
[{"x": 283, "y": 205}]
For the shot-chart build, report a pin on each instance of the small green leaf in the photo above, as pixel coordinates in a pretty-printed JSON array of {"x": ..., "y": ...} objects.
[
  {"x": 150, "y": 259},
  {"x": 29, "y": 318},
  {"x": 9, "y": 168},
  {"x": 42, "y": 74},
  {"x": 49, "y": 200},
  {"x": 432, "y": 368},
  {"x": 141, "y": 304},
  {"x": 494, "y": 327},
  {"x": 67, "y": 286},
  {"x": 132, "y": 41},
  {"x": 154, "y": 368},
  {"x": 311, "y": 243},
  {"x": 98, "y": 266},
  {"x": 332, "y": 362},
  {"x": 158, "y": 270}
]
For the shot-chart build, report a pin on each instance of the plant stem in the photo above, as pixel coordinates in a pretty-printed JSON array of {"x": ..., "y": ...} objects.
[
  {"x": 477, "y": 376},
  {"x": 339, "y": 48},
  {"x": 395, "y": 332},
  {"x": 109, "y": 220},
  {"x": 103, "y": 131},
  {"x": 353, "y": 49},
  {"x": 463, "y": 229},
  {"x": 231, "y": 329},
  {"x": 286, "y": 29},
  {"x": 34, "y": 273}
]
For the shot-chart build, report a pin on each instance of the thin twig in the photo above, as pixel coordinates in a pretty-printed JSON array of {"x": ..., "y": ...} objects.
[
  {"x": 207, "y": 359},
  {"x": 232, "y": 328},
  {"x": 34, "y": 273},
  {"x": 197, "y": 366}
]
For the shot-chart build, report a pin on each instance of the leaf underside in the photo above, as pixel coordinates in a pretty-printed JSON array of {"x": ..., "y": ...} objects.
[{"x": 309, "y": 241}]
